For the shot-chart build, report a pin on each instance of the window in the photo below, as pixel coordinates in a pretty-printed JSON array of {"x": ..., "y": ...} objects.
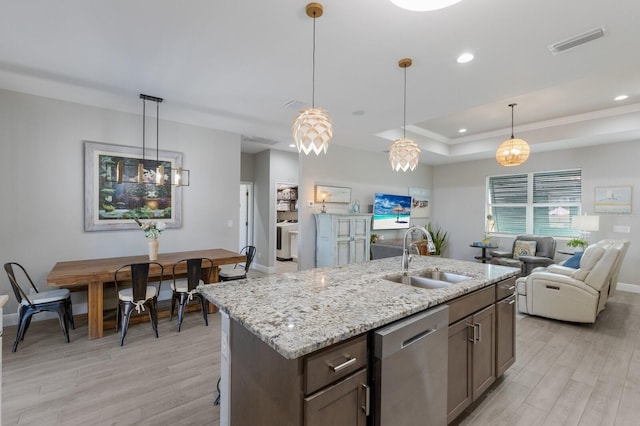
[{"x": 540, "y": 203}]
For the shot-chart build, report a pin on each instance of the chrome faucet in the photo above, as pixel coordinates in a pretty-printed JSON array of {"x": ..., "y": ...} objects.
[{"x": 406, "y": 257}]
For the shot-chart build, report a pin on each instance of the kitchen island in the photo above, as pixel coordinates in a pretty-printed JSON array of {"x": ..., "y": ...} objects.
[{"x": 280, "y": 322}]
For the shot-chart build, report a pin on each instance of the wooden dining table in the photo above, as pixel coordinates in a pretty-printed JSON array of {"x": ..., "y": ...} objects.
[{"x": 94, "y": 273}]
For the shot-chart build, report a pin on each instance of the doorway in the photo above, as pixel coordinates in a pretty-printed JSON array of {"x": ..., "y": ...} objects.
[{"x": 286, "y": 227}]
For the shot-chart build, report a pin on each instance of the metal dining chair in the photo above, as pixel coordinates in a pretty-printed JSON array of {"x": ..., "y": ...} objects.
[
  {"x": 141, "y": 296},
  {"x": 58, "y": 301},
  {"x": 239, "y": 271},
  {"x": 185, "y": 291}
]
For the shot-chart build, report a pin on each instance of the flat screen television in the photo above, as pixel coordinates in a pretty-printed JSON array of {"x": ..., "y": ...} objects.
[{"x": 391, "y": 211}]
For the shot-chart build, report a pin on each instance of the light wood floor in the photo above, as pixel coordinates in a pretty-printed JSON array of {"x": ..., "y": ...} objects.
[{"x": 565, "y": 374}]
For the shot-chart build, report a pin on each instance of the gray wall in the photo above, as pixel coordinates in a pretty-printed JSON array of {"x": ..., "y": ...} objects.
[
  {"x": 42, "y": 184},
  {"x": 364, "y": 172},
  {"x": 459, "y": 196}
]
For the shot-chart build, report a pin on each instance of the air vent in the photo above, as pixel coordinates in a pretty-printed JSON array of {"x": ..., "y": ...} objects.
[
  {"x": 256, "y": 139},
  {"x": 572, "y": 42},
  {"x": 295, "y": 104}
]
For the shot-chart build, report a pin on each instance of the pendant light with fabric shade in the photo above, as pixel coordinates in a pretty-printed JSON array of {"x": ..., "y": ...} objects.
[
  {"x": 404, "y": 153},
  {"x": 312, "y": 128}
]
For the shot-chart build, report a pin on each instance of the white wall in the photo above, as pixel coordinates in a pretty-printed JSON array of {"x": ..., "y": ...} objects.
[
  {"x": 42, "y": 184},
  {"x": 458, "y": 198},
  {"x": 364, "y": 172}
]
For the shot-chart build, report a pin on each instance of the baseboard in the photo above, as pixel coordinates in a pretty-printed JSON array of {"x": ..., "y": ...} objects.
[
  {"x": 631, "y": 288},
  {"x": 265, "y": 269}
]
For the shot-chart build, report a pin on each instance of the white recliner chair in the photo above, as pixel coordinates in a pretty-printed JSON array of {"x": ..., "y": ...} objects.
[{"x": 576, "y": 295}]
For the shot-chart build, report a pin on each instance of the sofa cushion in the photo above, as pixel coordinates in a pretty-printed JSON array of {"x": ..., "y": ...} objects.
[
  {"x": 573, "y": 261},
  {"x": 590, "y": 257},
  {"x": 524, "y": 248}
]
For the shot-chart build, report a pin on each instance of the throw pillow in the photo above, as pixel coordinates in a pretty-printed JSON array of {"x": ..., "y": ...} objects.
[
  {"x": 524, "y": 248},
  {"x": 573, "y": 261}
]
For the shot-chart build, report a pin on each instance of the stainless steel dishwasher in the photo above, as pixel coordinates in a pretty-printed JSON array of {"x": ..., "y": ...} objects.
[{"x": 409, "y": 377}]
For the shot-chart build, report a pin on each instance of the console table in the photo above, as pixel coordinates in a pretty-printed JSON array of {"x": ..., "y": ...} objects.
[
  {"x": 93, "y": 273},
  {"x": 483, "y": 258}
]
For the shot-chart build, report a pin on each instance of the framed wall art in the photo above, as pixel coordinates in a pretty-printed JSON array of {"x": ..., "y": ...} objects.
[
  {"x": 112, "y": 205},
  {"x": 419, "y": 202},
  {"x": 613, "y": 199},
  {"x": 332, "y": 194}
]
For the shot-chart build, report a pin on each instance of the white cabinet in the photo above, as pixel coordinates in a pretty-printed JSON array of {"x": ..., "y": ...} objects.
[{"x": 342, "y": 238}]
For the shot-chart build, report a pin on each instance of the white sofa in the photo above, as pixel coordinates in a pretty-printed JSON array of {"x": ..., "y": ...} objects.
[{"x": 576, "y": 295}]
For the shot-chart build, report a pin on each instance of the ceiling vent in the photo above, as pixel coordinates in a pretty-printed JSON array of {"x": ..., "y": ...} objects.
[
  {"x": 572, "y": 42},
  {"x": 257, "y": 139},
  {"x": 295, "y": 104}
]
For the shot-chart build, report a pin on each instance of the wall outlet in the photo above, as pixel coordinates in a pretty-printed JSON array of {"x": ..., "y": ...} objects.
[
  {"x": 622, "y": 229},
  {"x": 309, "y": 204},
  {"x": 230, "y": 223}
]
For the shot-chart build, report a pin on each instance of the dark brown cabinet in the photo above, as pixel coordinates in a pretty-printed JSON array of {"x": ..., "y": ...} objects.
[
  {"x": 344, "y": 403},
  {"x": 472, "y": 367},
  {"x": 505, "y": 334},
  {"x": 327, "y": 387}
]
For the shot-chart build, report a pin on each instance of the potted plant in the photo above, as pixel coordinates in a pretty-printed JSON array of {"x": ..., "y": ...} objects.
[
  {"x": 578, "y": 244},
  {"x": 439, "y": 239}
]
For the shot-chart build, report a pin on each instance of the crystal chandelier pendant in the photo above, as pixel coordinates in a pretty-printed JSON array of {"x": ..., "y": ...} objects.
[
  {"x": 312, "y": 131},
  {"x": 404, "y": 155}
]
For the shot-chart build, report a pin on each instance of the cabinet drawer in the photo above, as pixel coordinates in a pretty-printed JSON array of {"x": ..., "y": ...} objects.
[
  {"x": 505, "y": 288},
  {"x": 466, "y": 305},
  {"x": 334, "y": 363}
]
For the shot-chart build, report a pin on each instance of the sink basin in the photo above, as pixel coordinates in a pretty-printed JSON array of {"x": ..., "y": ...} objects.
[
  {"x": 449, "y": 277},
  {"x": 429, "y": 279}
]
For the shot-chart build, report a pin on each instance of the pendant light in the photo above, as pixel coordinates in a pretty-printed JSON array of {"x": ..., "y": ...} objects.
[
  {"x": 404, "y": 153},
  {"x": 423, "y": 5},
  {"x": 512, "y": 152},
  {"x": 312, "y": 128},
  {"x": 179, "y": 176}
]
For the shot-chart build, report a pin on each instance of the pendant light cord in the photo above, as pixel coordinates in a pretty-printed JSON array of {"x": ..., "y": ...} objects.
[
  {"x": 313, "y": 73},
  {"x": 404, "y": 109},
  {"x": 157, "y": 133},
  {"x": 144, "y": 114},
  {"x": 512, "y": 105}
]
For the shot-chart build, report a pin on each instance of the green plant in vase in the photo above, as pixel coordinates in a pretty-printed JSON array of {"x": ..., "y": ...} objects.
[
  {"x": 578, "y": 244},
  {"x": 439, "y": 238}
]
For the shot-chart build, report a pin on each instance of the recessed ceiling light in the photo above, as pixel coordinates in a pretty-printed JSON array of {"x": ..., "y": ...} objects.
[
  {"x": 462, "y": 131},
  {"x": 620, "y": 97},
  {"x": 465, "y": 57},
  {"x": 423, "y": 5},
  {"x": 292, "y": 145}
]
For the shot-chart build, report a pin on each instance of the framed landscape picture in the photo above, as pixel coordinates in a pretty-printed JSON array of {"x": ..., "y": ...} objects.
[
  {"x": 333, "y": 194},
  {"x": 112, "y": 205},
  {"x": 613, "y": 199}
]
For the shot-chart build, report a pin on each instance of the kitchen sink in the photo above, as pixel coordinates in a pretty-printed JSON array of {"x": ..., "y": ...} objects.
[{"x": 429, "y": 279}]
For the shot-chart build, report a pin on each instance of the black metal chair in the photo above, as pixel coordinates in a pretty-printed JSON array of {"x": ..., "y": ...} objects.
[
  {"x": 185, "y": 290},
  {"x": 239, "y": 271},
  {"x": 58, "y": 301},
  {"x": 139, "y": 297}
]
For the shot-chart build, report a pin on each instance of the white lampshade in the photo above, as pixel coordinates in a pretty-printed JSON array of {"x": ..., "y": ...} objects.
[
  {"x": 585, "y": 223},
  {"x": 404, "y": 154},
  {"x": 312, "y": 131},
  {"x": 423, "y": 5}
]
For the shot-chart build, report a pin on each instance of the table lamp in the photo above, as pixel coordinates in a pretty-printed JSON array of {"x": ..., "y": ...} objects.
[{"x": 585, "y": 224}]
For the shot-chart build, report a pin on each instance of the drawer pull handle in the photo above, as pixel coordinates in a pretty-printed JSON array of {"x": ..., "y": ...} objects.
[
  {"x": 344, "y": 365},
  {"x": 512, "y": 302},
  {"x": 513, "y": 287}
]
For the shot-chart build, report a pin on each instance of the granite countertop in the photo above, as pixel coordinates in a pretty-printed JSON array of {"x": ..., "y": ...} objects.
[{"x": 297, "y": 313}]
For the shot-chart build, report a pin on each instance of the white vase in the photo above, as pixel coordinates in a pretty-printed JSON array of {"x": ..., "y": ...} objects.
[{"x": 153, "y": 244}]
